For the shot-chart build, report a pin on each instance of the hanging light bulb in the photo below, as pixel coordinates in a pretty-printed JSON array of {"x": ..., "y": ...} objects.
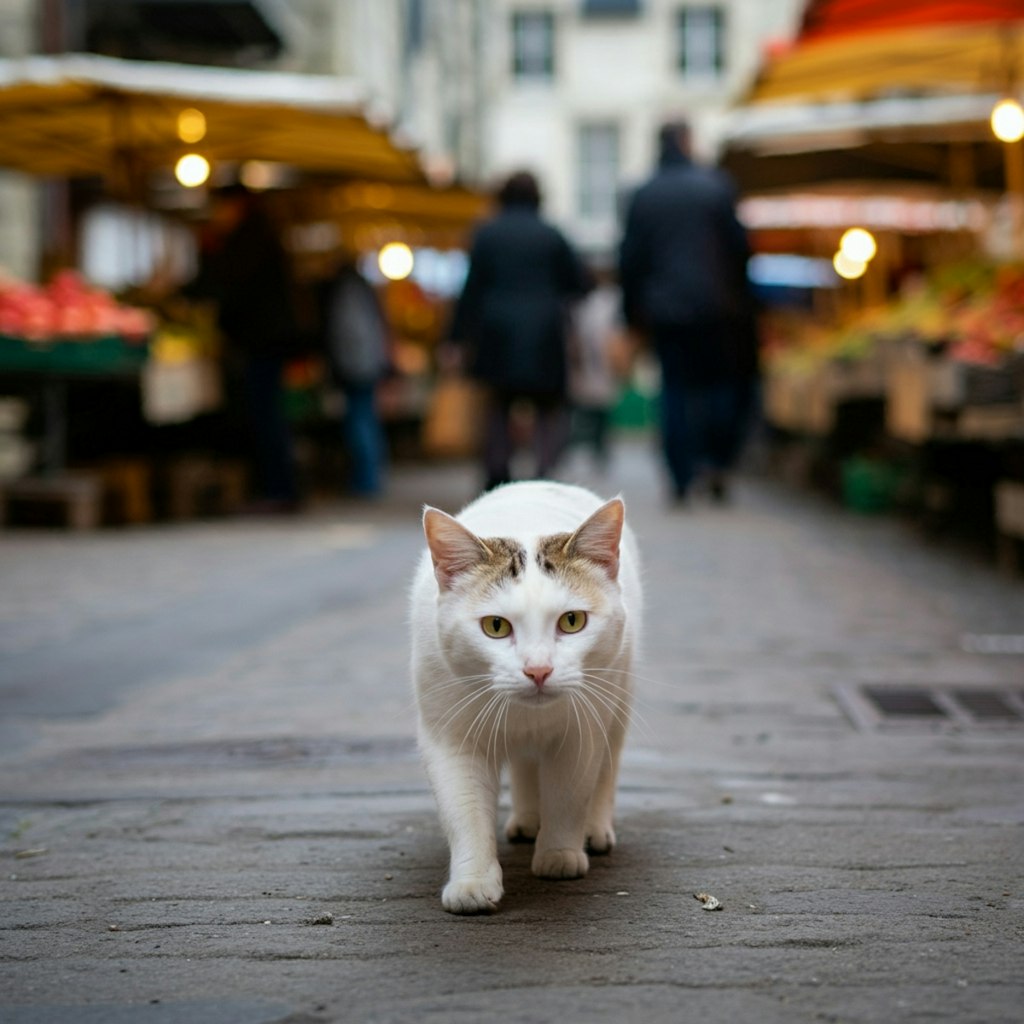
[
  {"x": 191, "y": 125},
  {"x": 1008, "y": 120},
  {"x": 858, "y": 245},
  {"x": 847, "y": 268},
  {"x": 395, "y": 261},
  {"x": 192, "y": 170}
]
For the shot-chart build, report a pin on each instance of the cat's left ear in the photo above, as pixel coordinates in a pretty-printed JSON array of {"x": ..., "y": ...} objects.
[
  {"x": 598, "y": 539},
  {"x": 453, "y": 548}
]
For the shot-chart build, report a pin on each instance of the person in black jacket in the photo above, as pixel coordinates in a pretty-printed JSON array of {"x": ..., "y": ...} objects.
[
  {"x": 683, "y": 272},
  {"x": 513, "y": 316},
  {"x": 244, "y": 269}
]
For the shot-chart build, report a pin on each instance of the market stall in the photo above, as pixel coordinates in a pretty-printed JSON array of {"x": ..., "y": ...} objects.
[
  {"x": 907, "y": 361},
  {"x": 331, "y": 172}
]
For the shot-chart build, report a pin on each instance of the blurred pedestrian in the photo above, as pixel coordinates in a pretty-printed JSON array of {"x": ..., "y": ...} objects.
[
  {"x": 245, "y": 270},
  {"x": 513, "y": 318},
  {"x": 682, "y": 266},
  {"x": 594, "y": 370},
  {"x": 356, "y": 340}
]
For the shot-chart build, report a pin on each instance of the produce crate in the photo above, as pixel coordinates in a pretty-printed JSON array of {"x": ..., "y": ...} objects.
[
  {"x": 908, "y": 398},
  {"x": 870, "y": 485},
  {"x": 786, "y": 399},
  {"x": 111, "y": 356}
]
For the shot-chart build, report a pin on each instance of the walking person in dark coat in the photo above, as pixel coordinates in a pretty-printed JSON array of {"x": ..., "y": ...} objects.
[
  {"x": 245, "y": 270},
  {"x": 682, "y": 268},
  {"x": 513, "y": 315}
]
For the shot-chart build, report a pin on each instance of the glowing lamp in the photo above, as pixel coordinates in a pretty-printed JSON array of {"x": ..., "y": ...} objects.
[
  {"x": 395, "y": 261},
  {"x": 1008, "y": 121},
  {"x": 192, "y": 170},
  {"x": 858, "y": 246},
  {"x": 846, "y": 268},
  {"x": 191, "y": 125}
]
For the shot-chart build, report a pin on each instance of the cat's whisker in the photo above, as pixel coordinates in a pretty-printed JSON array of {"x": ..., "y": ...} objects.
[
  {"x": 473, "y": 729},
  {"x": 462, "y": 705},
  {"x": 596, "y": 684},
  {"x": 457, "y": 682},
  {"x": 492, "y": 740},
  {"x": 579, "y": 725},
  {"x": 596, "y": 718},
  {"x": 649, "y": 681},
  {"x": 621, "y": 709},
  {"x": 476, "y": 728},
  {"x": 616, "y": 705}
]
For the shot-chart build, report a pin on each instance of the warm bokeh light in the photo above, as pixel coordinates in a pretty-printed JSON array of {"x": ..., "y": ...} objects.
[
  {"x": 191, "y": 125},
  {"x": 257, "y": 175},
  {"x": 1008, "y": 121},
  {"x": 858, "y": 245},
  {"x": 848, "y": 268},
  {"x": 192, "y": 170},
  {"x": 395, "y": 261}
]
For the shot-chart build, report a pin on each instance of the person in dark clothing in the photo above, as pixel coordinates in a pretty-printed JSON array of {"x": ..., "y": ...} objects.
[
  {"x": 244, "y": 269},
  {"x": 356, "y": 343},
  {"x": 513, "y": 315},
  {"x": 683, "y": 272}
]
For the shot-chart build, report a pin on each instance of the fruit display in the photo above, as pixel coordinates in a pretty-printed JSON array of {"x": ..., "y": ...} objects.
[
  {"x": 970, "y": 313},
  {"x": 952, "y": 340},
  {"x": 68, "y": 309}
]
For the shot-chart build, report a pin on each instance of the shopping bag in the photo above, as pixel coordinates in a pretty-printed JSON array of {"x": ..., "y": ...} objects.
[{"x": 453, "y": 426}]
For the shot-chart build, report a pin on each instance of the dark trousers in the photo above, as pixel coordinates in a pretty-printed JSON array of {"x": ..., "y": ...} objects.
[
  {"x": 550, "y": 435},
  {"x": 269, "y": 430},
  {"x": 704, "y": 420}
]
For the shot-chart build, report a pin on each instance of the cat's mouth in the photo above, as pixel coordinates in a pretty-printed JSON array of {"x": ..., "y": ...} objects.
[{"x": 537, "y": 696}]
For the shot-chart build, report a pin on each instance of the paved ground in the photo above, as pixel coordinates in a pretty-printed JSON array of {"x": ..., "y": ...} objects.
[{"x": 207, "y": 746}]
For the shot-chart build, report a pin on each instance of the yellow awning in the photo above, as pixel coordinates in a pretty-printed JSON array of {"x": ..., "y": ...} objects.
[{"x": 89, "y": 116}]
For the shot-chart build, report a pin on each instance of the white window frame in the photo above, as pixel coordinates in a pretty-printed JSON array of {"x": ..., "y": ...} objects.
[
  {"x": 598, "y": 169},
  {"x": 701, "y": 32},
  {"x": 533, "y": 44}
]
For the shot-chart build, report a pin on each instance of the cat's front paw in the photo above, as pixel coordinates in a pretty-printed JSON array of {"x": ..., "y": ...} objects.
[
  {"x": 522, "y": 829},
  {"x": 560, "y": 864},
  {"x": 600, "y": 839},
  {"x": 472, "y": 896}
]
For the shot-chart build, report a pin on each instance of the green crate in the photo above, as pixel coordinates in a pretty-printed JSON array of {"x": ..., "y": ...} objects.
[{"x": 93, "y": 357}]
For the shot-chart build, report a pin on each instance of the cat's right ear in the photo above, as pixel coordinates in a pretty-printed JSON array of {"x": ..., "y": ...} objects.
[{"x": 453, "y": 548}]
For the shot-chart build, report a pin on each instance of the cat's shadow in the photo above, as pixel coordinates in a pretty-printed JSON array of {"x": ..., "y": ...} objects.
[{"x": 529, "y": 897}]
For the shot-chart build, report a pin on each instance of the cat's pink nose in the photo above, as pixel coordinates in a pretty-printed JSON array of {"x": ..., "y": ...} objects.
[{"x": 538, "y": 673}]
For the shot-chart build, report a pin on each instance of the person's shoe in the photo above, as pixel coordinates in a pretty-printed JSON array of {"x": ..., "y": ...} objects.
[{"x": 719, "y": 489}]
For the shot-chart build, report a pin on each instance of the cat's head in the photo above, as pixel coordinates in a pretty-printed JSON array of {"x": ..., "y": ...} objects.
[{"x": 533, "y": 615}]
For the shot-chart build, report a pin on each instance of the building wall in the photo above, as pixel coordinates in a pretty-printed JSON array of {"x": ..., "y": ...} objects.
[
  {"x": 619, "y": 70},
  {"x": 19, "y": 195}
]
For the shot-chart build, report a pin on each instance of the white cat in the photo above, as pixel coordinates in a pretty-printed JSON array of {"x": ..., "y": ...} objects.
[{"x": 525, "y": 613}]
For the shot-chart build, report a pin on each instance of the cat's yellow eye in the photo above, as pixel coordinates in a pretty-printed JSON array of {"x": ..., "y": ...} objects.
[
  {"x": 496, "y": 627},
  {"x": 572, "y": 622}
]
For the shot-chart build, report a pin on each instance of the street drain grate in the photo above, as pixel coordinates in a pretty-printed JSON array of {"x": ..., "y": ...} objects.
[{"x": 885, "y": 707}]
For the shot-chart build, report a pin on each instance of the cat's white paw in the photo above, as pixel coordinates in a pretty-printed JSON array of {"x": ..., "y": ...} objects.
[
  {"x": 600, "y": 839},
  {"x": 560, "y": 863},
  {"x": 522, "y": 829},
  {"x": 472, "y": 896}
]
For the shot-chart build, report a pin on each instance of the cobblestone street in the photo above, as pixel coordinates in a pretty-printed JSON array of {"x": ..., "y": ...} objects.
[{"x": 212, "y": 809}]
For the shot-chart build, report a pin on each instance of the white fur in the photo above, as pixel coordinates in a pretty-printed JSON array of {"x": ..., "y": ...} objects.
[{"x": 478, "y": 710}]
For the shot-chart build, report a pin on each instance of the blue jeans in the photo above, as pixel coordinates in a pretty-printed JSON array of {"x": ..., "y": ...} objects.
[
  {"x": 365, "y": 439},
  {"x": 704, "y": 422}
]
